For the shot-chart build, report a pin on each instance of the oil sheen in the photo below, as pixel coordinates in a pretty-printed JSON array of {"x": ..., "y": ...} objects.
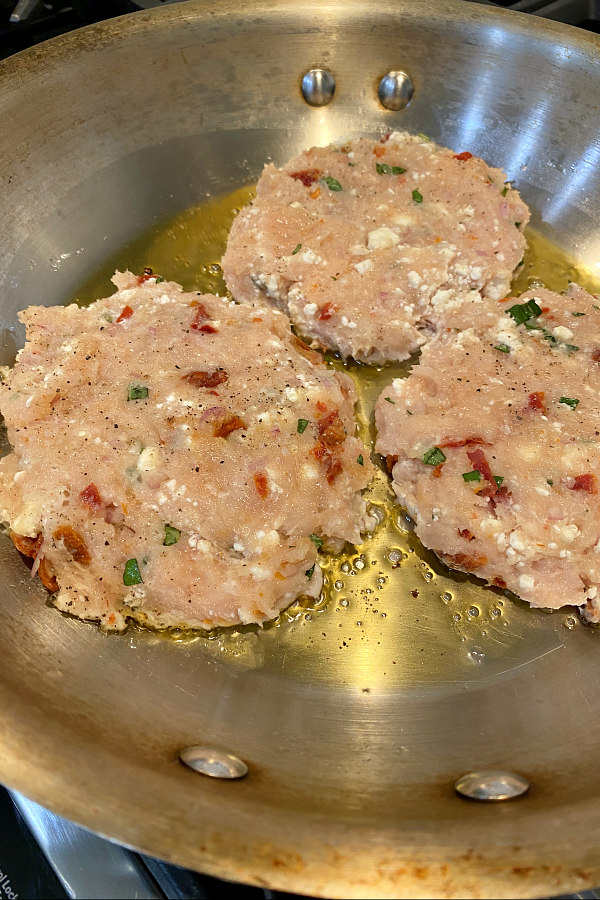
[{"x": 391, "y": 614}]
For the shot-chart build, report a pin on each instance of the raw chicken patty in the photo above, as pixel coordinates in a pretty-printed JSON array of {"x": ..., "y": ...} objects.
[
  {"x": 177, "y": 459},
  {"x": 495, "y": 439},
  {"x": 364, "y": 245}
]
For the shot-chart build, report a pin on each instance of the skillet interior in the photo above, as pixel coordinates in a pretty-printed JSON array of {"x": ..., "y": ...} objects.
[{"x": 115, "y": 128}]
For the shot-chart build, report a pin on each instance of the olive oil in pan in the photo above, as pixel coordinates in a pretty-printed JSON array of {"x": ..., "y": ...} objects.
[{"x": 391, "y": 614}]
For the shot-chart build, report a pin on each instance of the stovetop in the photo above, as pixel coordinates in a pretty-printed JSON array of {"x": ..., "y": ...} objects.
[{"x": 43, "y": 855}]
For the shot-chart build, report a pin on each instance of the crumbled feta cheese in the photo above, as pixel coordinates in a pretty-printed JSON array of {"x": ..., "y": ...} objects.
[
  {"x": 363, "y": 266},
  {"x": 562, "y": 333},
  {"x": 382, "y": 238},
  {"x": 526, "y": 582}
]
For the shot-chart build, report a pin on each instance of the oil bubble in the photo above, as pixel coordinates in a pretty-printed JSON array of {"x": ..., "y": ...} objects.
[
  {"x": 359, "y": 564},
  {"x": 476, "y": 655},
  {"x": 569, "y": 622},
  {"x": 345, "y": 567},
  {"x": 395, "y": 557},
  {"x": 338, "y": 585},
  {"x": 344, "y": 602},
  {"x": 456, "y": 617},
  {"x": 473, "y": 611},
  {"x": 495, "y": 613},
  {"x": 381, "y": 580},
  {"x": 446, "y": 596}
]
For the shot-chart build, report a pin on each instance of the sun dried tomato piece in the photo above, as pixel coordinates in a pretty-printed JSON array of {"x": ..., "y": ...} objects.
[
  {"x": 126, "y": 313},
  {"x": 437, "y": 472},
  {"x": 224, "y": 427},
  {"x": 261, "y": 484},
  {"x": 480, "y": 463},
  {"x": 90, "y": 497},
  {"x": 463, "y": 156},
  {"x": 46, "y": 576},
  {"x": 327, "y": 311},
  {"x": 206, "y": 379},
  {"x": 378, "y": 151},
  {"x": 536, "y": 401},
  {"x": 585, "y": 483},
  {"x": 501, "y": 496},
  {"x": 498, "y": 581},
  {"x": 200, "y": 321},
  {"x": 334, "y": 468},
  {"x": 465, "y": 561},
  {"x": 466, "y": 534},
  {"x": 390, "y": 462},
  {"x": 146, "y": 274},
  {"x": 307, "y": 176},
  {"x": 74, "y": 543},
  {"x": 28, "y": 546},
  {"x": 332, "y": 430}
]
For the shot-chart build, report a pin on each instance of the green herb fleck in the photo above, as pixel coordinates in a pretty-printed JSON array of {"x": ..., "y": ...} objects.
[
  {"x": 577, "y": 314},
  {"x": 569, "y": 401},
  {"x": 571, "y": 348},
  {"x": 549, "y": 481},
  {"x": 296, "y": 249},
  {"x": 360, "y": 460},
  {"x": 332, "y": 183},
  {"x": 317, "y": 541},
  {"x": 409, "y": 412},
  {"x": 172, "y": 535},
  {"x": 137, "y": 392},
  {"x": 302, "y": 423},
  {"x": 424, "y": 136},
  {"x": 131, "y": 573},
  {"x": 389, "y": 400},
  {"x": 517, "y": 224},
  {"x": 503, "y": 348},
  {"x": 433, "y": 457},
  {"x": 595, "y": 307},
  {"x": 351, "y": 164},
  {"x": 159, "y": 278},
  {"x": 472, "y": 476},
  {"x": 417, "y": 197},
  {"x": 309, "y": 572},
  {"x": 522, "y": 312},
  {"x": 499, "y": 479},
  {"x": 384, "y": 169},
  {"x": 505, "y": 190}
]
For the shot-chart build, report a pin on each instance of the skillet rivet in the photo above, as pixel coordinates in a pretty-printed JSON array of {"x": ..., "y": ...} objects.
[
  {"x": 214, "y": 763},
  {"x": 318, "y": 87},
  {"x": 395, "y": 90},
  {"x": 491, "y": 785}
]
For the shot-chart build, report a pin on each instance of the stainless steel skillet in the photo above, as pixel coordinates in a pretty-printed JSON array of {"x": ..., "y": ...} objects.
[{"x": 352, "y": 753}]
